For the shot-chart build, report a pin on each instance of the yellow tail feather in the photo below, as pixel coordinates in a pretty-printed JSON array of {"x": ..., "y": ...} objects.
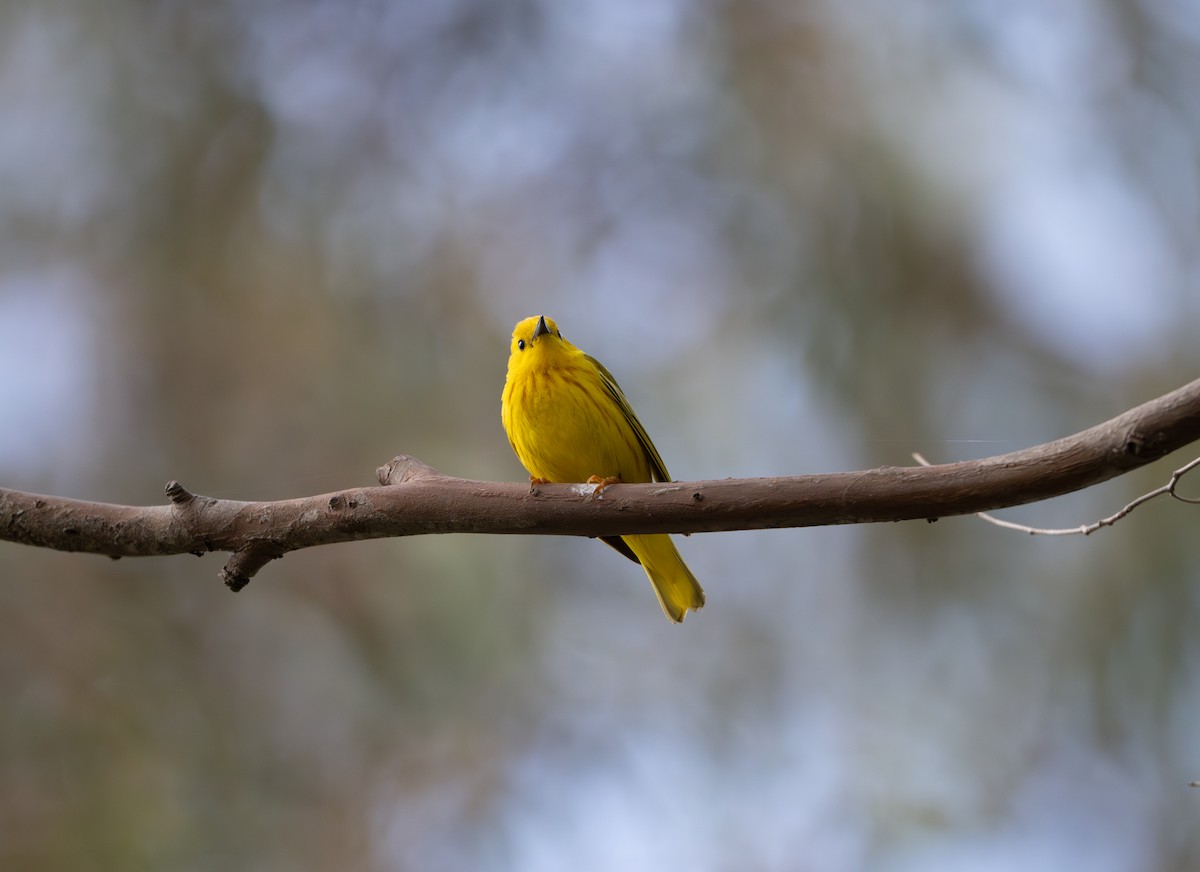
[{"x": 676, "y": 587}]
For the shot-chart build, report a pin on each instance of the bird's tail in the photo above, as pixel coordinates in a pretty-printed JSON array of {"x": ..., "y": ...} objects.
[{"x": 676, "y": 587}]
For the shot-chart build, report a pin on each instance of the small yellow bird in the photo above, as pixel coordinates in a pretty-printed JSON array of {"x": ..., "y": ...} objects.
[{"x": 568, "y": 421}]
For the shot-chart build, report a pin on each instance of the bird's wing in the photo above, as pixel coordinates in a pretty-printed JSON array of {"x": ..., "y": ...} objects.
[{"x": 658, "y": 469}]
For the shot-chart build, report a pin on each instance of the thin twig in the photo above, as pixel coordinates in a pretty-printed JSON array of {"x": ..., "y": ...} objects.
[{"x": 1088, "y": 529}]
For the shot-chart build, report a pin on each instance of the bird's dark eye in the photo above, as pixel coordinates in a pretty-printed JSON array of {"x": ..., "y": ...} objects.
[{"x": 521, "y": 344}]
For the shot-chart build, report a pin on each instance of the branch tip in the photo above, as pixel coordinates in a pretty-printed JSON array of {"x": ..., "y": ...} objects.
[{"x": 233, "y": 580}]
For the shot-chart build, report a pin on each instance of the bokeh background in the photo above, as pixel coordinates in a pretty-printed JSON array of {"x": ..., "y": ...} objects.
[{"x": 262, "y": 247}]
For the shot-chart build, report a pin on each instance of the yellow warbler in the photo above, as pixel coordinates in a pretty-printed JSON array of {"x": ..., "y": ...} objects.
[{"x": 568, "y": 421}]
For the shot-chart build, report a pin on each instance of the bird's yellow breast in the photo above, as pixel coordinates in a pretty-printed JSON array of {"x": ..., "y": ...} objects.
[{"x": 563, "y": 422}]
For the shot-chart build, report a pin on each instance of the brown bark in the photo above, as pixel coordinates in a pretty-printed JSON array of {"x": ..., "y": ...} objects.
[{"x": 417, "y": 499}]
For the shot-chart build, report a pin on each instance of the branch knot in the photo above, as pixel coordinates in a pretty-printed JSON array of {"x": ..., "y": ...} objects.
[
  {"x": 402, "y": 468},
  {"x": 178, "y": 494}
]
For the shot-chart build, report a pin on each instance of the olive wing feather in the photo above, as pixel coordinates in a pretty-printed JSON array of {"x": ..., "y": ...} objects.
[{"x": 657, "y": 468}]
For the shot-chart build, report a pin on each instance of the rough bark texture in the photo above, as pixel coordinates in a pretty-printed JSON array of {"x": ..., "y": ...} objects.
[{"x": 417, "y": 499}]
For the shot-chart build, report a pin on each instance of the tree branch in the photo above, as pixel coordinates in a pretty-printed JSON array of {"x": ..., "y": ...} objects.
[{"x": 417, "y": 499}]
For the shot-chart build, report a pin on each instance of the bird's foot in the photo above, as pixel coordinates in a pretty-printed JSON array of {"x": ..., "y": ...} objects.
[
  {"x": 602, "y": 483},
  {"x": 535, "y": 481}
]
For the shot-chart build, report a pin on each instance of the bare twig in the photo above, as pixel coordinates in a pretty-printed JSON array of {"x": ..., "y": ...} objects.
[
  {"x": 417, "y": 499},
  {"x": 1088, "y": 529}
]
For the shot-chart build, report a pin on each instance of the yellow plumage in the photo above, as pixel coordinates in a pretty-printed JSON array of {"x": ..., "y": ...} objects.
[{"x": 569, "y": 421}]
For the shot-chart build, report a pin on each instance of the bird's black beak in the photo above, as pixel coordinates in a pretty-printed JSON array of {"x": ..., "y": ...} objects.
[{"x": 541, "y": 329}]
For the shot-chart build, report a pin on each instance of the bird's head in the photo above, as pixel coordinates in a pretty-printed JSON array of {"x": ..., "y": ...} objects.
[{"x": 536, "y": 337}]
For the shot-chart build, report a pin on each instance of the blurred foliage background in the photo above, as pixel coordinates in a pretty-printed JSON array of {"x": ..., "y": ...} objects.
[{"x": 262, "y": 247}]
